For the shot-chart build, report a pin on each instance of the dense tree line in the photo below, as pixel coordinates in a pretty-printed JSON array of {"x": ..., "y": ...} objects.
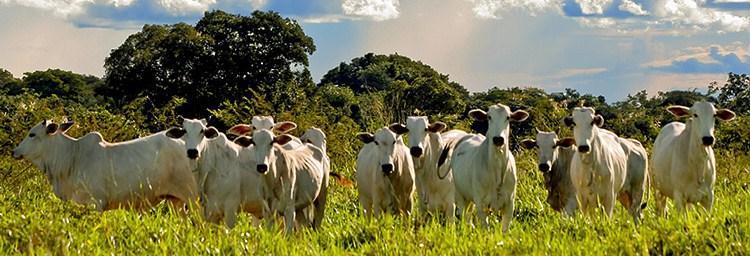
[{"x": 231, "y": 67}]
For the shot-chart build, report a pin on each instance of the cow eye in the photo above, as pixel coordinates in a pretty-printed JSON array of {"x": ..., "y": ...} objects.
[
  {"x": 31, "y": 135},
  {"x": 376, "y": 143},
  {"x": 554, "y": 146},
  {"x": 394, "y": 142},
  {"x": 489, "y": 118},
  {"x": 695, "y": 115}
]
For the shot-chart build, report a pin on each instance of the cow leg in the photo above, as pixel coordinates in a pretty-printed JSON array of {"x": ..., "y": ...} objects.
[
  {"x": 230, "y": 214},
  {"x": 679, "y": 201},
  {"x": 507, "y": 215},
  {"x": 289, "y": 217},
  {"x": 482, "y": 210},
  {"x": 661, "y": 203},
  {"x": 460, "y": 205},
  {"x": 609, "y": 202},
  {"x": 320, "y": 206},
  {"x": 450, "y": 213},
  {"x": 570, "y": 207},
  {"x": 301, "y": 218}
]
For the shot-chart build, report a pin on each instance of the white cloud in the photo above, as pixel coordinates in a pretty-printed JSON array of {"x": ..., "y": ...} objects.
[
  {"x": 488, "y": 9},
  {"x": 378, "y": 10},
  {"x": 597, "y": 22},
  {"x": 182, "y": 7},
  {"x": 593, "y": 6},
  {"x": 692, "y": 13},
  {"x": 732, "y": 1},
  {"x": 257, "y": 4},
  {"x": 121, "y": 3},
  {"x": 632, "y": 7},
  {"x": 62, "y": 8}
]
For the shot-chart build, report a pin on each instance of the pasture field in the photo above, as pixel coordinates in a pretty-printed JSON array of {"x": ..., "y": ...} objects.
[{"x": 33, "y": 220}]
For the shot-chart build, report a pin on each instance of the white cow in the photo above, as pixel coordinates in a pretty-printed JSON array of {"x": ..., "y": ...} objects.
[
  {"x": 385, "y": 172},
  {"x": 265, "y": 122},
  {"x": 317, "y": 137},
  {"x": 294, "y": 176},
  {"x": 684, "y": 167},
  {"x": 484, "y": 170},
  {"x": 436, "y": 193},
  {"x": 138, "y": 173},
  {"x": 605, "y": 166},
  {"x": 554, "y": 159},
  {"x": 226, "y": 180}
]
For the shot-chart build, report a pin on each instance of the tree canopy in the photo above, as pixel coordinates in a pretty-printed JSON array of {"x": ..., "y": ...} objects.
[{"x": 223, "y": 57}]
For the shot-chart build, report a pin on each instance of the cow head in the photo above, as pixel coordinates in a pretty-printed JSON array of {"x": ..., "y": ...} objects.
[
  {"x": 385, "y": 140},
  {"x": 418, "y": 127},
  {"x": 314, "y": 136},
  {"x": 499, "y": 117},
  {"x": 548, "y": 143},
  {"x": 585, "y": 123},
  {"x": 264, "y": 142},
  {"x": 702, "y": 115},
  {"x": 35, "y": 143},
  {"x": 194, "y": 132}
]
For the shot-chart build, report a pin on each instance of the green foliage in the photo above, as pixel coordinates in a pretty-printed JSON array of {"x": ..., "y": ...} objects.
[
  {"x": 734, "y": 94},
  {"x": 8, "y": 83},
  {"x": 408, "y": 84},
  {"x": 224, "y": 57}
]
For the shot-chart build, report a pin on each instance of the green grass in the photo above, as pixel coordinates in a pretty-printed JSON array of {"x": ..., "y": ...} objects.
[{"x": 33, "y": 220}]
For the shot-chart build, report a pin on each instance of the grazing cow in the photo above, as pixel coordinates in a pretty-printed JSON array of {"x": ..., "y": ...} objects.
[
  {"x": 426, "y": 143},
  {"x": 684, "y": 167},
  {"x": 555, "y": 156},
  {"x": 294, "y": 176},
  {"x": 138, "y": 173},
  {"x": 606, "y": 167},
  {"x": 226, "y": 182},
  {"x": 484, "y": 170},
  {"x": 265, "y": 122},
  {"x": 385, "y": 172}
]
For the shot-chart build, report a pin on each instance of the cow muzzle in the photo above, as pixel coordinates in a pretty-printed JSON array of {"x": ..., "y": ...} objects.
[
  {"x": 192, "y": 153},
  {"x": 262, "y": 168},
  {"x": 387, "y": 169},
  {"x": 708, "y": 141},
  {"x": 16, "y": 155},
  {"x": 498, "y": 141},
  {"x": 415, "y": 151},
  {"x": 544, "y": 167},
  {"x": 584, "y": 149}
]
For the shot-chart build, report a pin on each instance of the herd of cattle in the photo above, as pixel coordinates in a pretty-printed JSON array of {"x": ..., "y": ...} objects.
[{"x": 259, "y": 169}]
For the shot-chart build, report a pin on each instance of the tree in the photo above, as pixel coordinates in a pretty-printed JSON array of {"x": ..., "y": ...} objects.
[
  {"x": 734, "y": 94},
  {"x": 223, "y": 57},
  {"x": 65, "y": 84},
  {"x": 407, "y": 84},
  {"x": 8, "y": 83}
]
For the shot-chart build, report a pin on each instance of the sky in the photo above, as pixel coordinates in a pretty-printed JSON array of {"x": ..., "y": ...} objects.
[{"x": 603, "y": 47}]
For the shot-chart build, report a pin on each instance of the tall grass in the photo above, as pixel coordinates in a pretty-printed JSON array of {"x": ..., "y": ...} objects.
[{"x": 33, "y": 220}]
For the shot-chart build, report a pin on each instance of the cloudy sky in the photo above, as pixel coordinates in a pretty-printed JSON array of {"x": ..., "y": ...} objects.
[{"x": 603, "y": 47}]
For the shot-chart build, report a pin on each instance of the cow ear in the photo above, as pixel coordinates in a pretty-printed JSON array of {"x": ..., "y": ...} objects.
[
  {"x": 283, "y": 139},
  {"x": 244, "y": 141},
  {"x": 398, "y": 128},
  {"x": 175, "y": 132},
  {"x": 568, "y": 120},
  {"x": 598, "y": 120},
  {"x": 240, "y": 129},
  {"x": 566, "y": 142},
  {"x": 51, "y": 127},
  {"x": 437, "y": 127},
  {"x": 204, "y": 122},
  {"x": 65, "y": 126},
  {"x": 725, "y": 114},
  {"x": 528, "y": 144},
  {"x": 679, "y": 111},
  {"x": 284, "y": 127},
  {"x": 210, "y": 132},
  {"x": 365, "y": 137},
  {"x": 519, "y": 115},
  {"x": 478, "y": 114}
]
